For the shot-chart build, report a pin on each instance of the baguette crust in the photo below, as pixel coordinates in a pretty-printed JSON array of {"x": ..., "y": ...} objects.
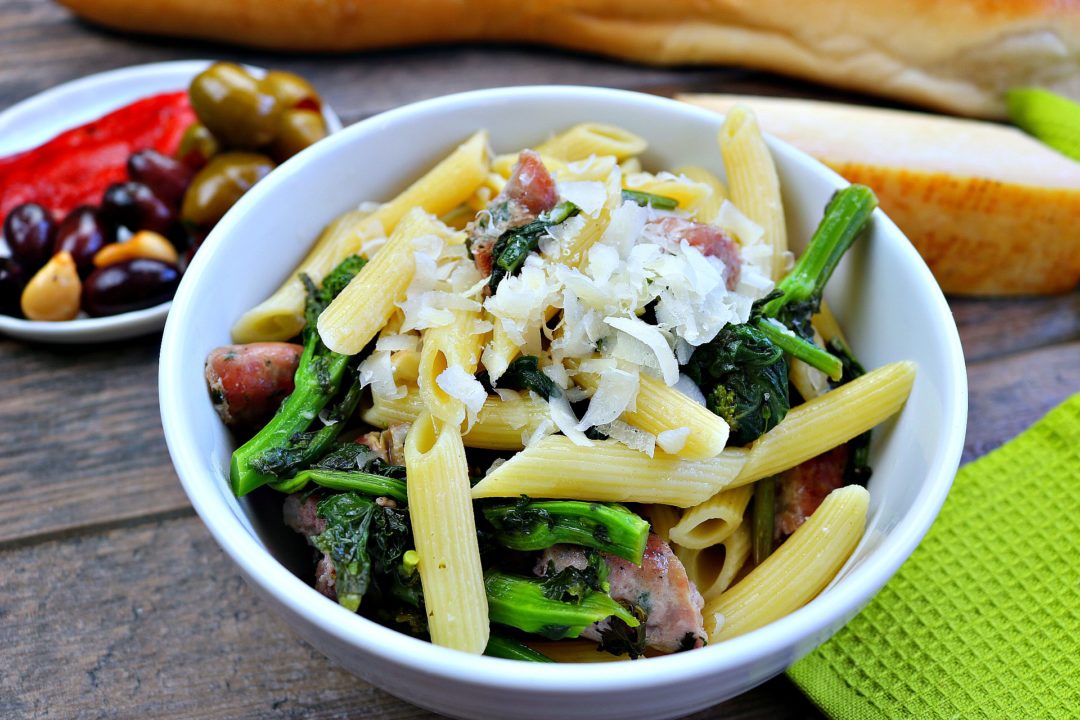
[
  {"x": 954, "y": 55},
  {"x": 992, "y": 211}
]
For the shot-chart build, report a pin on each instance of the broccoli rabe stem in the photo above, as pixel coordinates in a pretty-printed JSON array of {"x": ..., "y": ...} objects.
[
  {"x": 846, "y": 216},
  {"x": 520, "y": 603},
  {"x": 503, "y": 647},
  {"x": 763, "y": 520},
  {"x": 801, "y": 349},
  {"x": 535, "y": 525},
  {"x": 361, "y": 482},
  {"x": 317, "y": 380}
]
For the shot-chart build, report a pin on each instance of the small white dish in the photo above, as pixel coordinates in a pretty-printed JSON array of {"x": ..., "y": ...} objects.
[
  {"x": 884, "y": 295},
  {"x": 42, "y": 117}
]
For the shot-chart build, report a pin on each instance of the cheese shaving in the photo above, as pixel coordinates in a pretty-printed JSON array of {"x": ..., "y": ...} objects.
[
  {"x": 377, "y": 371},
  {"x": 672, "y": 441},
  {"x": 652, "y": 337},
  {"x": 457, "y": 383}
]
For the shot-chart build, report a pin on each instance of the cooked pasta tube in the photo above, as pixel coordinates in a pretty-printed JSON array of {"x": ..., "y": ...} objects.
[
  {"x": 555, "y": 467},
  {"x": 808, "y": 380},
  {"x": 752, "y": 180},
  {"x": 713, "y": 569},
  {"x": 796, "y": 572},
  {"x": 281, "y": 316},
  {"x": 503, "y": 164},
  {"x": 827, "y": 421},
  {"x": 456, "y": 345},
  {"x": 440, "y": 190},
  {"x": 363, "y": 307},
  {"x": 573, "y": 651},
  {"x": 444, "y": 531},
  {"x": 709, "y": 207},
  {"x": 826, "y": 325},
  {"x": 500, "y": 351},
  {"x": 662, "y": 518},
  {"x": 688, "y": 193},
  {"x": 713, "y": 521},
  {"x": 500, "y": 424},
  {"x": 660, "y": 408},
  {"x": 581, "y": 141}
]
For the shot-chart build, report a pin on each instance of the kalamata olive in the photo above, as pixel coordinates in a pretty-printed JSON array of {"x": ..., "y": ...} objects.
[
  {"x": 82, "y": 233},
  {"x": 220, "y": 184},
  {"x": 29, "y": 234},
  {"x": 12, "y": 281},
  {"x": 197, "y": 146},
  {"x": 230, "y": 102},
  {"x": 129, "y": 285},
  {"x": 298, "y": 129},
  {"x": 291, "y": 90},
  {"x": 167, "y": 178},
  {"x": 136, "y": 207}
]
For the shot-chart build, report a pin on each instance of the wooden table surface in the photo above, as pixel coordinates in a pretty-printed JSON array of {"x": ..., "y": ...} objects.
[{"x": 114, "y": 600}]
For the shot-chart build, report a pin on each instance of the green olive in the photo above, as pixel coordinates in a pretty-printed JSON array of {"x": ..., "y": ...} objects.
[
  {"x": 231, "y": 103},
  {"x": 197, "y": 146},
  {"x": 298, "y": 129},
  {"x": 220, "y": 184},
  {"x": 291, "y": 90}
]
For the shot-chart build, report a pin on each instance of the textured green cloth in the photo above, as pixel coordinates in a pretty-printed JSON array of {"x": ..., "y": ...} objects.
[
  {"x": 1053, "y": 119},
  {"x": 983, "y": 621}
]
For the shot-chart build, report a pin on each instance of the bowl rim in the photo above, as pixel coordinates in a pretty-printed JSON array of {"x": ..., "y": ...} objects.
[
  {"x": 114, "y": 83},
  {"x": 790, "y": 634}
]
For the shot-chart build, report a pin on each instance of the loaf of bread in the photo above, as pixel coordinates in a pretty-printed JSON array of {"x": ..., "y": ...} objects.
[
  {"x": 953, "y": 55},
  {"x": 992, "y": 211}
]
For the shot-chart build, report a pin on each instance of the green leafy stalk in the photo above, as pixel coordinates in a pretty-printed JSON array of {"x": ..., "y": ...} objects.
[
  {"x": 285, "y": 444},
  {"x": 503, "y": 647},
  {"x": 858, "y": 466},
  {"x": 361, "y": 482},
  {"x": 619, "y": 638},
  {"x": 529, "y": 525},
  {"x": 744, "y": 377},
  {"x": 524, "y": 373},
  {"x": 763, "y": 519},
  {"x": 846, "y": 216},
  {"x": 521, "y": 603},
  {"x": 659, "y": 202},
  {"x": 800, "y": 349},
  {"x": 514, "y": 245}
]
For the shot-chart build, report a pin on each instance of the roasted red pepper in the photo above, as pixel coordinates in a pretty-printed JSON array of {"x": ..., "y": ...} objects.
[{"x": 76, "y": 166}]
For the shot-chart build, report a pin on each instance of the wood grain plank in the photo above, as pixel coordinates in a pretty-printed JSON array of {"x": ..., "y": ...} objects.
[
  {"x": 153, "y": 621},
  {"x": 1006, "y": 396},
  {"x": 82, "y": 441},
  {"x": 992, "y": 327}
]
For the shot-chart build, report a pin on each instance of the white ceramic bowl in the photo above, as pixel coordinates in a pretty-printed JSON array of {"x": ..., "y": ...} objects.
[
  {"x": 889, "y": 304},
  {"x": 38, "y": 119}
]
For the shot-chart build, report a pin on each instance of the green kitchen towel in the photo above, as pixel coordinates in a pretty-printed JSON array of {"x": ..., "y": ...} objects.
[{"x": 983, "y": 621}]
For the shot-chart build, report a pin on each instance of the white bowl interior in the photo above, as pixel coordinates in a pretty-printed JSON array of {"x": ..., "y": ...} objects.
[{"x": 887, "y": 301}]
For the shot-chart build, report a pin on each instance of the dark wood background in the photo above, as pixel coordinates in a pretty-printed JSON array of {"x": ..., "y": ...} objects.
[{"x": 114, "y": 600}]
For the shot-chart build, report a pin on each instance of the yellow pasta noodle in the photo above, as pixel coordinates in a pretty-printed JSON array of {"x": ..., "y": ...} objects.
[
  {"x": 609, "y": 472},
  {"x": 659, "y": 408},
  {"x": 445, "y": 535},
  {"x": 713, "y": 569},
  {"x": 707, "y": 209},
  {"x": 364, "y": 306},
  {"x": 503, "y": 164},
  {"x": 500, "y": 424},
  {"x": 711, "y": 522},
  {"x": 439, "y": 191},
  {"x": 827, "y": 421},
  {"x": 574, "y": 651},
  {"x": 752, "y": 180},
  {"x": 686, "y": 192},
  {"x": 581, "y": 141},
  {"x": 796, "y": 572},
  {"x": 662, "y": 518},
  {"x": 447, "y": 346}
]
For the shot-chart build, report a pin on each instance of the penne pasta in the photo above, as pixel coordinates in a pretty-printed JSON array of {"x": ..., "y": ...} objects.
[
  {"x": 753, "y": 182},
  {"x": 688, "y": 193},
  {"x": 714, "y": 520},
  {"x": 500, "y": 424},
  {"x": 555, "y": 467},
  {"x": 708, "y": 208},
  {"x": 662, "y": 518},
  {"x": 581, "y": 141},
  {"x": 448, "y": 346},
  {"x": 796, "y": 572},
  {"x": 714, "y": 568},
  {"x": 364, "y": 306},
  {"x": 827, "y": 421},
  {"x": 574, "y": 651},
  {"x": 445, "y": 535},
  {"x": 439, "y": 191}
]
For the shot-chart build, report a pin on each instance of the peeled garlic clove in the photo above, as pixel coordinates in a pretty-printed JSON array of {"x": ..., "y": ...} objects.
[
  {"x": 53, "y": 293},
  {"x": 143, "y": 244}
]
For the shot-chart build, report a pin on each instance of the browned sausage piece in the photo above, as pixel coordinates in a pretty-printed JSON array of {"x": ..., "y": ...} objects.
[
  {"x": 248, "y": 382},
  {"x": 804, "y": 487}
]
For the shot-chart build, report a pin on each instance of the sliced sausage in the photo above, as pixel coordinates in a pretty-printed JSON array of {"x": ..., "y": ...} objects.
[
  {"x": 803, "y": 488},
  {"x": 709, "y": 239},
  {"x": 247, "y": 383}
]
